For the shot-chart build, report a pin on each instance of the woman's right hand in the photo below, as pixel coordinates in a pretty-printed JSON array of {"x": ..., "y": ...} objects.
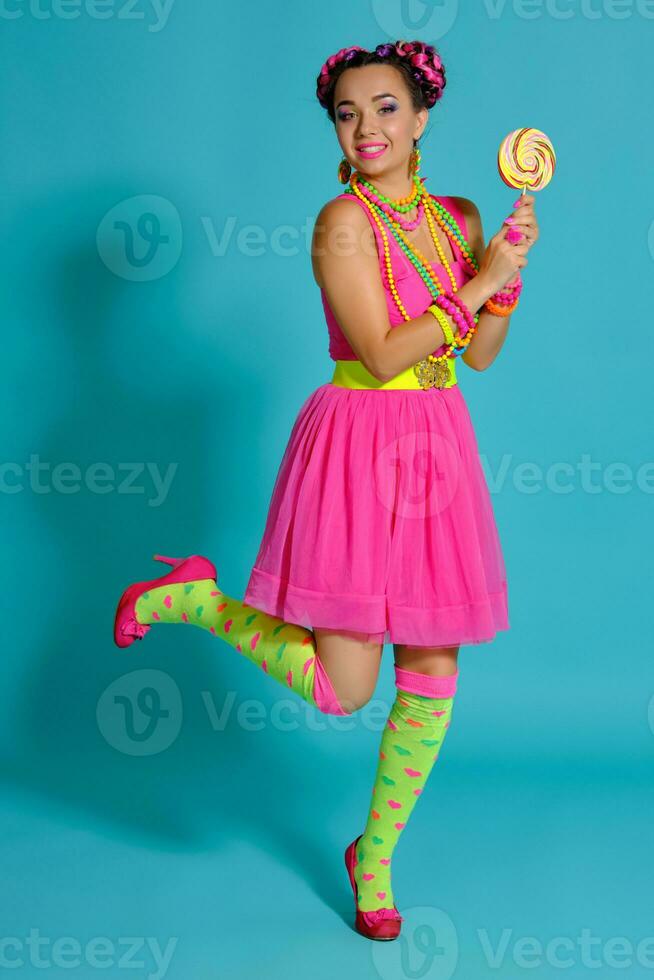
[{"x": 502, "y": 261}]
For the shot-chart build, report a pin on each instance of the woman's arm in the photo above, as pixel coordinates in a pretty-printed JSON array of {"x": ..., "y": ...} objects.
[
  {"x": 346, "y": 266},
  {"x": 491, "y": 330}
]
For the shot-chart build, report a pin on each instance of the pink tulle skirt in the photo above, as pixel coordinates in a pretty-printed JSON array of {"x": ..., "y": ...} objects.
[{"x": 380, "y": 522}]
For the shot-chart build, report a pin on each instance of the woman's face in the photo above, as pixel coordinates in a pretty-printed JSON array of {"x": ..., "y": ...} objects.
[{"x": 372, "y": 105}]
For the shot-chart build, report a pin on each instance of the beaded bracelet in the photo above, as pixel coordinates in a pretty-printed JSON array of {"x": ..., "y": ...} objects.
[
  {"x": 498, "y": 310},
  {"x": 504, "y": 301},
  {"x": 506, "y": 297},
  {"x": 501, "y": 304},
  {"x": 509, "y": 291},
  {"x": 456, "y": 308},
  {"x": 469, "y": 318},
  {"x": 448, "y": 333}
]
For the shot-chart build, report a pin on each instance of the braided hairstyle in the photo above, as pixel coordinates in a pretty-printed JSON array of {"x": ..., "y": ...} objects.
[{"x": 419, "y": 63}]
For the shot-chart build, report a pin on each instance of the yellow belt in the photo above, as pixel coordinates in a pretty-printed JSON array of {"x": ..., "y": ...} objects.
[{"x": 352, "y": 374}]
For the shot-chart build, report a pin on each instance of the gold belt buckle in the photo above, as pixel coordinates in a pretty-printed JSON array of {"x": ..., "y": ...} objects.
[{"x": 432, "y": 374}]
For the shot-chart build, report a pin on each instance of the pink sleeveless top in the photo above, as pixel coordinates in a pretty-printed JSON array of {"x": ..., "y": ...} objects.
[{"x": 412, "y": 290}]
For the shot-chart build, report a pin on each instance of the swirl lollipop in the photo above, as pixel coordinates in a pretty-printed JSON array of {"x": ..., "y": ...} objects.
[{"x": 526, "y": 159}]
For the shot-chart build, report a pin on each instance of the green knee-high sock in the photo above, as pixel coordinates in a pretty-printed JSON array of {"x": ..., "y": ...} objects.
[
  {"x": 410, "y": 745},
  {"x": 285, "y": 651}
]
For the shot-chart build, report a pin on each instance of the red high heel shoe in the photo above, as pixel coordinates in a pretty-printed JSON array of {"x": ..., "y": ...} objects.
[
  {"x": 379, "y": 923},
  {"x": 191, "y": 569}
]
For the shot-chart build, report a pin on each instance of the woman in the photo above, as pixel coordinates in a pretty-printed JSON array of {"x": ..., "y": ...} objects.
[{"x": 380, "y": 525}]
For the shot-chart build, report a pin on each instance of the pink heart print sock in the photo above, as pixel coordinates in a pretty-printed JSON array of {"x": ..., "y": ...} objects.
[
  {"x": 410, "y": 744},
  {"x": 285, "y": 651}
]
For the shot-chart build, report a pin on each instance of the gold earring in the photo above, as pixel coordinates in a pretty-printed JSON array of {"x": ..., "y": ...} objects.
[
  {"x": 414, "y": 161},
  {"x": 344, "y": 171}
]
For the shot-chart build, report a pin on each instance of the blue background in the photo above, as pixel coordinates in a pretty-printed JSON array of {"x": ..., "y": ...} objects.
[{"x": 538, "y": 818}]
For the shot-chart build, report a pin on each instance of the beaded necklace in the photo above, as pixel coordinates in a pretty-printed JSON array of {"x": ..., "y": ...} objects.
[{"x": 386, "y": 214}]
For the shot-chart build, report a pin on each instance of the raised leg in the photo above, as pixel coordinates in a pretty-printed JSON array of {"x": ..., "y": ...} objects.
[{"x": 304, "y": 660}]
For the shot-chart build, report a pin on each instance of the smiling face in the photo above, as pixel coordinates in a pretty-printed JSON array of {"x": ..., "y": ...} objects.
[{"x": 373, "y": 109}]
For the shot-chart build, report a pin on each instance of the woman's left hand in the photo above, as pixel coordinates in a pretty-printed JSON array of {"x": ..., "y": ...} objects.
[{"x": 524, "y": 222}]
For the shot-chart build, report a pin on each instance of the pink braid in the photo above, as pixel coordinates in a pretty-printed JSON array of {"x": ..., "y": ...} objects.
[
  {"x": 324, "y": 78},
  {"x": 426, "y": 64}
]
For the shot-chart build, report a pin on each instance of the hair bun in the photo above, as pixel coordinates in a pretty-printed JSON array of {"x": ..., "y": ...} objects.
[
  {"x": 325, "y": 76},
  {"x": 425, "y": 63}
]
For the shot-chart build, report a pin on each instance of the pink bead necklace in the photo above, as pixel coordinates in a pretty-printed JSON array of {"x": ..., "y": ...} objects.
[{"x": 432, "y": 371}]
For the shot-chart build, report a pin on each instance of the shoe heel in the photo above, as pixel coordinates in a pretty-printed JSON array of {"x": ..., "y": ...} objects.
[{"x": 168, "y": 561}]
